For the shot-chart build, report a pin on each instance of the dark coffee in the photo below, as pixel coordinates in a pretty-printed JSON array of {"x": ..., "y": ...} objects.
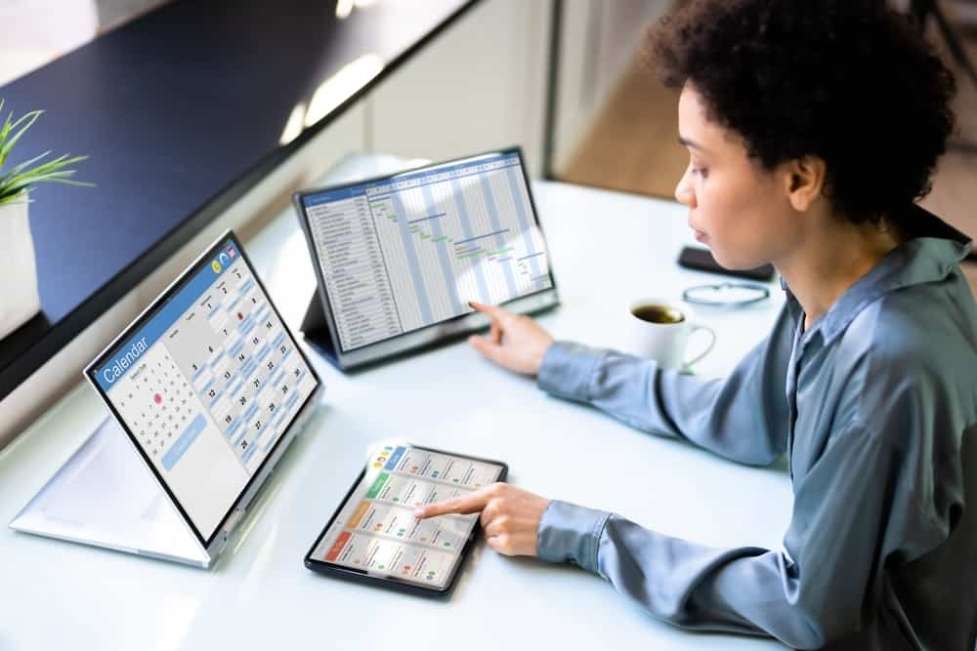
[{"x": 658, "y": 314}]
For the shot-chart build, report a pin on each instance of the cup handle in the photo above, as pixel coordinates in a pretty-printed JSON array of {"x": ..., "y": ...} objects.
[{"x": 687, "y": 366}]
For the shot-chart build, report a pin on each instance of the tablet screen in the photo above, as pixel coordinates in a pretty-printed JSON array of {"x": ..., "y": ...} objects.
[
  {"x": 404, "y": 252},
  {"x": 205, "y": 382},
  {"x": 375, "y": 532}
]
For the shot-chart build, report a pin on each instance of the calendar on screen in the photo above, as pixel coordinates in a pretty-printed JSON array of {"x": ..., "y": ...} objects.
[{"x": 207, "y": 384}]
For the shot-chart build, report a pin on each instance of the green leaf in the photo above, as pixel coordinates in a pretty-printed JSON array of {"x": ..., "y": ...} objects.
[
  {"x": 20, "y": 166},
  {"x": 5, "y": 147},
  {"x": 14, "y": 197},
  {"x": 24, "y": 175}
]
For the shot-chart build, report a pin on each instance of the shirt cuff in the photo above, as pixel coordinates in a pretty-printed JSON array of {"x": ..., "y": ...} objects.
[
  {"x": 570, "y": 534},
  {"x": 567, "y": 370}
]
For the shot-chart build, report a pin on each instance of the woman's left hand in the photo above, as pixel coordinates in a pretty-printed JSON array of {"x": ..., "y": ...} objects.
[{"x": 510, "y": 516}]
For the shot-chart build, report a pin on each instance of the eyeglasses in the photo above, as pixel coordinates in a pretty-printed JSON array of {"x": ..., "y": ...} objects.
[{"x": 726, "y": 294}]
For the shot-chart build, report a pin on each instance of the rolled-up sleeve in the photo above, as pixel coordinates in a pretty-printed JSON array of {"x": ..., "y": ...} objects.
[{"x": 741, "y": 417}]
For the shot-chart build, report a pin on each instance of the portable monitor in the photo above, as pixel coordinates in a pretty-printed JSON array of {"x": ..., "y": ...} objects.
[
  {"x": 398, "y": 258},
  {"x": 210, "y": 387}
]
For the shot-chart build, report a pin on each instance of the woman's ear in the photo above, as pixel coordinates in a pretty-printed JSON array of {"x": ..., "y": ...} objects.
[{"x": 804, "y": 179}]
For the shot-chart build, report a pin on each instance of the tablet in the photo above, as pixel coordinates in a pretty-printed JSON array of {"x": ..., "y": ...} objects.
[
  {"x": 398, "y": 258},
  {"x": 373, "y": 536}
]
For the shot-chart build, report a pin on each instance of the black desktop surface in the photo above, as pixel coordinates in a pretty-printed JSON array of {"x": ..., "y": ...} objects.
[{"x": 181, "y": 111}]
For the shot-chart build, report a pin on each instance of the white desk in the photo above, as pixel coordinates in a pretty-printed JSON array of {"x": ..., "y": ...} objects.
[{"x": 607, "y": 249}]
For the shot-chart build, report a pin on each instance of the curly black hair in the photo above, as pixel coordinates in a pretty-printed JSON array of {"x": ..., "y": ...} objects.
[{"x": 849, "y": 81}]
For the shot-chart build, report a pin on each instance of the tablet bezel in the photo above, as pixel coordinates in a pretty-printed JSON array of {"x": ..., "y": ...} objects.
[
  {"x": 246, "y": 494},
  {"x": 392, "y": 581},
  {"x": 435, "y": 333}
]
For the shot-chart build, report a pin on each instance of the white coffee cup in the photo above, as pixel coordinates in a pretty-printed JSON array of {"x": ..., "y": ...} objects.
[{"x": 661, "y": 330}]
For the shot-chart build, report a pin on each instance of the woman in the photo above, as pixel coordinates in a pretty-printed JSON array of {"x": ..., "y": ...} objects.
[{"x": 812, "y": 128}]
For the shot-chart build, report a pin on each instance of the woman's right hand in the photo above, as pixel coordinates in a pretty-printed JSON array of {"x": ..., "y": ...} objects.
[{"x": 514, "y": 342}]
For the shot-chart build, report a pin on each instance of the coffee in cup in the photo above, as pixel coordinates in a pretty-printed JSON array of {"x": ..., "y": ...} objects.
[
  {"x": 657, "y": 313},
  {"x": 661, "y": 330}
]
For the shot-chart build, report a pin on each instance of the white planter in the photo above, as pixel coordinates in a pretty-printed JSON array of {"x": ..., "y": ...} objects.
[{"x": 19, "y": 300}]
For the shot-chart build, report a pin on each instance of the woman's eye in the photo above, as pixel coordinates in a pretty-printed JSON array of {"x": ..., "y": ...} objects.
[{"x": 700, "y": 171}]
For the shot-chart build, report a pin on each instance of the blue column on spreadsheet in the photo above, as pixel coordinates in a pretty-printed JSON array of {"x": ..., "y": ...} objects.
[
  {"x": 514, "y": 177},
  {"x": 497, "y": 227},
  {"x": 466, "y": 228},
  {"x": 415, "y": 269},
  {"x": 446, "y": 270}
]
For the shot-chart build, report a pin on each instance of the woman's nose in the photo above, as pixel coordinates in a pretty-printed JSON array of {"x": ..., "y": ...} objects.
[{"x": 683, "y": 191}]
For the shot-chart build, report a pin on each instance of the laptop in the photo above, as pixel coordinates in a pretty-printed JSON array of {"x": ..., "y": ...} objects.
[{"x": 206, "y": 389}]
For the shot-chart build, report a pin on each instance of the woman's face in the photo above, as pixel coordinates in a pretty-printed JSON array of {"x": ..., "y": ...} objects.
[{"x": 736, "y": 208}]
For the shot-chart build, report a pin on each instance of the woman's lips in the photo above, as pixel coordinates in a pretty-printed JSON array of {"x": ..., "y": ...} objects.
[{"x": 699, "y": 235}]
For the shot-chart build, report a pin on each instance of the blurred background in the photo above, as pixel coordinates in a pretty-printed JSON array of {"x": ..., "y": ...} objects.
[
  {"x": 608, "y": 122},
  {"x": 629, "y": 142}
]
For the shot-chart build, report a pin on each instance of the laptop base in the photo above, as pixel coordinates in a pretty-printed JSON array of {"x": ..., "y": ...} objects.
[{"x": 105, "y": 496}]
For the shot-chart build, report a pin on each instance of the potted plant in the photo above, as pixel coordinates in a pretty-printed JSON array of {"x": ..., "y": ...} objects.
[{"x": 19, "y": 300}]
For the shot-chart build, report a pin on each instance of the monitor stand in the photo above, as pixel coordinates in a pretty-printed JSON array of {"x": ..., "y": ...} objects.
[
  {"x": 316, "y": 330},
  {"x": 104, "y": 495}
]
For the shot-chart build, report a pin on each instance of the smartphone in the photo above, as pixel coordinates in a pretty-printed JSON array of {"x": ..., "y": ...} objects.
[{"x": 701, "y": 260}]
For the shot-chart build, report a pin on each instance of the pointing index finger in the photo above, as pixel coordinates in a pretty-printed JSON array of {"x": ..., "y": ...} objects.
[
  {"x": 495, "y": 312},
  {"x": 461, "y": 505}
]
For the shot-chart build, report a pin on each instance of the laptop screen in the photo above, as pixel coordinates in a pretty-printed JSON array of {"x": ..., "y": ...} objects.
[
  {"x": 404, "y": 252},
  {"x": 206, "y": 382}
]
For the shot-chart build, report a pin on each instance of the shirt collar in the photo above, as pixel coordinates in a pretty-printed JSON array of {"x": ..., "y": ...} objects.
[{"x": 932, "y": 252}]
